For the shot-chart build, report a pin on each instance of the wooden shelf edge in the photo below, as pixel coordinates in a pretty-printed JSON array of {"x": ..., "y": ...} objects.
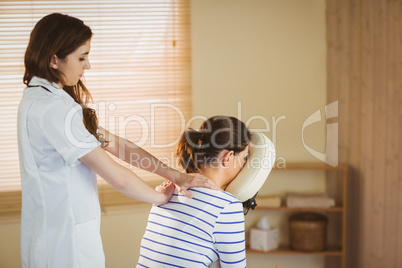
[
  {"x": 333, "y": 209},
  {"x": 283, "y": 250},
  {"x": 10, "y": 217},
  {"x": 125, "y": 208},
  {"x": 308, "y": 166}
]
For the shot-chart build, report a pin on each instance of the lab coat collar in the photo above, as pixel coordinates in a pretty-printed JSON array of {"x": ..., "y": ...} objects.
[{"x": 52, "y": 87}]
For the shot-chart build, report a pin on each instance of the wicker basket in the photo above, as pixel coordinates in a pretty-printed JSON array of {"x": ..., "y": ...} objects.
[{"x": 308, "y": 231}]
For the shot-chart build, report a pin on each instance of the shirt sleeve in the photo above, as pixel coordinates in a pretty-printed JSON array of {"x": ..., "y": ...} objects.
[
  {"x": 62, "y": 125},
  {"x": 229, "y": 236}
]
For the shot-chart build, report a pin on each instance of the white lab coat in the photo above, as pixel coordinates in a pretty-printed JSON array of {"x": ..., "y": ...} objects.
[{"x": 60, "y": 218}]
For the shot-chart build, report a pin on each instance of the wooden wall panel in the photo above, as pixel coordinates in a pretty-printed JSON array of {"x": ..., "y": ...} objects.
[
  {"x": 398, "y": 48},
  {"x": 364, "y": 46},
  {"x": 378, "y": 146},
  {"x": 392, "y": 136},
  {"x": 366, "y": 165}
]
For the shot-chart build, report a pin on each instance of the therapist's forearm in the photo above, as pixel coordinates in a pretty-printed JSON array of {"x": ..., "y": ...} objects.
[
  {"x": 138, "y": 157},
  {"x": 121, "y": 178},
  {"x": 131, "y": 185}
]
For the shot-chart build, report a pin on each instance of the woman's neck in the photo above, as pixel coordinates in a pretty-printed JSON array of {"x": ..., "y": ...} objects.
[{"x": 214, "y": 174}]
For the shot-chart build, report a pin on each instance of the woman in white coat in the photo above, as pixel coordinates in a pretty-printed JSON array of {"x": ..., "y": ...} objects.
[{"x": 61, "y": 147}]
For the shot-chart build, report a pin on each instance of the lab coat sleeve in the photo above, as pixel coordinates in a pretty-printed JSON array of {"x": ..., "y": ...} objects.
[{"x": 62, "y": 125}]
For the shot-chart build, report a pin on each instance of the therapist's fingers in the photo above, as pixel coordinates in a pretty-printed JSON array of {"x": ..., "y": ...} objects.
[
  {"x": 166, "y": 188},
  {"x": 163, "y": 186},
  {"x": 198, "y": 180},
  {"x": 194, "y": 180},
  {"x": 185, "y": 192}
]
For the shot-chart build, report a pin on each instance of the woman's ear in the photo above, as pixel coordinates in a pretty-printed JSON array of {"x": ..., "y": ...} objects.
[
  {"x": 226, "y": 158},
  {"x": 54, "y": 62}
]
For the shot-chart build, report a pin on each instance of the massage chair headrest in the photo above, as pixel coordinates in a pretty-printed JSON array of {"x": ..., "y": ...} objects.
[{"x": 256, "y": 170}]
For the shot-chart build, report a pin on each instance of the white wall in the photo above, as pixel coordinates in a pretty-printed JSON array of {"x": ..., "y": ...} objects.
[{"x": 270, "y": 55}]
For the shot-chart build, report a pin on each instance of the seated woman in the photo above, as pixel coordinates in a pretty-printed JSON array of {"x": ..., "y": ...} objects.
[{"x": 210, "y": 226}]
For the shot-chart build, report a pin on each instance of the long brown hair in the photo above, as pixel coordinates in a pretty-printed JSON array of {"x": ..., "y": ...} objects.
[
  {"x": 60, "y": 35},
  {"x": 197, "y": 148}
]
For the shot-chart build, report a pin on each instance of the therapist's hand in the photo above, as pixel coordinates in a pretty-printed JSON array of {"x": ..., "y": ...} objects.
[
  {"x": 185, "y": 181},
  {"x": 166, "y": 188}
]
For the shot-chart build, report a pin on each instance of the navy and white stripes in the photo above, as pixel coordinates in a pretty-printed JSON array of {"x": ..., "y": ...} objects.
[{"x": 195, "y": 232}]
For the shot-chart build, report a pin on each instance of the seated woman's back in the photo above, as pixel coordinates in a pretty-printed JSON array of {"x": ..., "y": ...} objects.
[{"x": 195, "y": 232}]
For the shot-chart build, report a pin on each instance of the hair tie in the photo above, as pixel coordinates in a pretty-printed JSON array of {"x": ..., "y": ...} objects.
[
  {"x": 199, "y": 143},
  {"x": 201, "y": 140}
]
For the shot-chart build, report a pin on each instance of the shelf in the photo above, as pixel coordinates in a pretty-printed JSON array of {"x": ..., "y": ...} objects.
[
  {"x": 308, "y": 166},
  {"x": 337, "y": 179},
  {"x": 330, "y": 251},
  {"x": 332, "y": 209}
]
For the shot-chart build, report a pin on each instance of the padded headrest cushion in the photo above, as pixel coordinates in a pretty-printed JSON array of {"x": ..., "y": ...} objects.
[{"x": 253, "y": 175}]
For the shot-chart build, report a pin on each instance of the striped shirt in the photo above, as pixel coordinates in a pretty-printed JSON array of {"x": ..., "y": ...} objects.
[{"x": 195, "y": 232}]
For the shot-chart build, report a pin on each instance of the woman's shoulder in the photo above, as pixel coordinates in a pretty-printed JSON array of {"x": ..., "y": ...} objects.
[
  {"x": 43, "y": 95},
  {"x": 48, "y": 102},
  {"x": 47, "y": 110},
  {"x": 209, "y": 193}
]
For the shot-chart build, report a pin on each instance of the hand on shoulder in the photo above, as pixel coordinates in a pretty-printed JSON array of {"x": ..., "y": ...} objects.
[
  {"x": 186, "y": 181},
  {"x": 166, "y": 188}
]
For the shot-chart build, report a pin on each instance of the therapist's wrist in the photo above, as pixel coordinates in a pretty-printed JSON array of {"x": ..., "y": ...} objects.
[
  {"x": 175, "y": 176},
  {"x": 169, "y": 173}
]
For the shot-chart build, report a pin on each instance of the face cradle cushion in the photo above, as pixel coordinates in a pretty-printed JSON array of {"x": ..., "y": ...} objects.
[{"x": 259, "y": 164}]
